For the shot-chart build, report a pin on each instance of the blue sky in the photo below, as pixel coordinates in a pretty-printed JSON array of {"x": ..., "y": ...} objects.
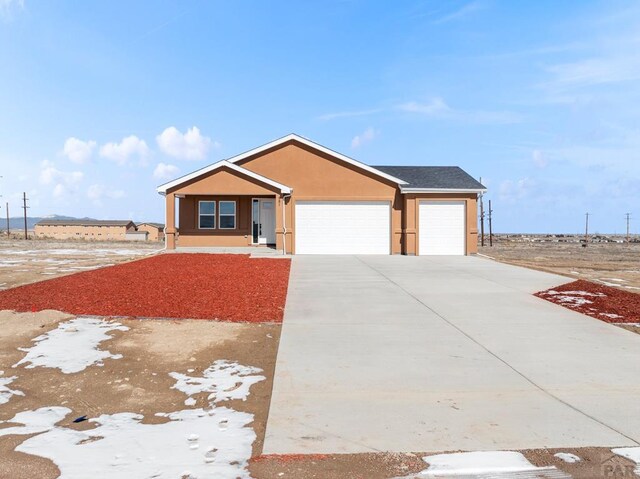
[{"x": 102, "y": 101}]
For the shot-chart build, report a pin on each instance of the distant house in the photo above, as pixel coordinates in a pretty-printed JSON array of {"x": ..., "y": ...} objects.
[
  {"x": 84, "y": 229},
  {"x": 134, "y": 235},
  {"x": 155, "y": 230}
]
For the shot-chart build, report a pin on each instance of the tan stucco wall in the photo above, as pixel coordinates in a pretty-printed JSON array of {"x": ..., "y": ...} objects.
[
  {"x": 154, "y": 233},
  {"x": 412, "y": 221},
  {"x": 81, "y": 232}
]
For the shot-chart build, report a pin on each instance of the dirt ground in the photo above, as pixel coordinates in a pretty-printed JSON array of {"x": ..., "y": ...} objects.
[
  {"x": 612, "y": 264},
  {"x": 139, "y": 382},
  {"x": 26, "y": 261}
]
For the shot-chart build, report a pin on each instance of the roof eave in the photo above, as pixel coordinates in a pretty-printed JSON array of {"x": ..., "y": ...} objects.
[
  {"x": 162, "y": 189},
  {"x": 443, "y": 190}
]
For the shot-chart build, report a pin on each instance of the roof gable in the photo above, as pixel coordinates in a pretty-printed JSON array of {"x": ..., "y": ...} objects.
[
  {"x": 162, "y": 189},
  {"x": 317, "y": 147}
]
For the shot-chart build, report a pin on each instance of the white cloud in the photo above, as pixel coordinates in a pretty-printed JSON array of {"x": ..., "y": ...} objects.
[
  {"x": 434, "y": 106},
  {"x": 187, "y": 146},
  {"x": 510, "y": 190},
  {"x": 594, "y": 71},
  {"x": 462, "y": 12},
  {"x": 539, "y": 159},
  {"x": 128, "y": 148},
  {"x": 49, "y": 174},
  {"x": 438, "y": 108},
  {"x": 165, "y": 171},
  {"x": 7, "y": 6},
  {"x": 64, "y": 182},
  {"x": 365, "y": 137},
  {"x": 348, "y": 114},
  {"x": 77, "y": 150},
  {"x": 96, "y": 192}
]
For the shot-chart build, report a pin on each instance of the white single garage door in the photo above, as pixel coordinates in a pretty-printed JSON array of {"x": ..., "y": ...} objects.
[
  {"x": 442, "y": 228},
  {"x": 343, "y": 227}
]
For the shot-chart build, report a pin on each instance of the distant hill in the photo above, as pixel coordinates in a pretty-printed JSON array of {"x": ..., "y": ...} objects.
[{"x": 17, "y": 222}]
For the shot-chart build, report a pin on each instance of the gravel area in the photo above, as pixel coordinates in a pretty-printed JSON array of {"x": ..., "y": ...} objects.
[
  {"x": 606, "y": 303},
  {"x": 198, "y": 286}
]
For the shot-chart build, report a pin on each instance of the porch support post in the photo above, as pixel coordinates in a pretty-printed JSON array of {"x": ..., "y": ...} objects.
[
  {"x": 170, "y": 228},
  {"x": 279, "y": 228}
]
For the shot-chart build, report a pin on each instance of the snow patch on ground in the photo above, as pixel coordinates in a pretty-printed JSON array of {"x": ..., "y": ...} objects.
[
  {"x": 194, "y": 443},
  {"x": 631, "y": 453},
  {"x": 611, "y": 315},
  {"x": 81, "y": 252},
  {"x": 73, "y": 346},
  {"x": 33, "y": 422},
  {"x": 567, "y": 457},
  {"x": 573, "y": 298},
  {"x": 5, "y": 392},
  {"x": 609, "y": 282},
  {"x": 224, "y": 380},
  {"x": 485, "y": 464}
]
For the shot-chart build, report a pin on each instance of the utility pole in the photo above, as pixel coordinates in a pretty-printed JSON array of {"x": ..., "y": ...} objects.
[
  {"x": 490, "y": 226},
  {"x": 481, "y": 218},
  {"x": 628, "y": 215},
  {"x": 586, "y": 229},
  {"x": 8, "y": 230},
  {"x": 25, "y": 207}
]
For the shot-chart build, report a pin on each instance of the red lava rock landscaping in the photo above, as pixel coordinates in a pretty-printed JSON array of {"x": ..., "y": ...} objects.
[
  {"x": 200, "y": 286},
  {"x": 603, "y": 302}
]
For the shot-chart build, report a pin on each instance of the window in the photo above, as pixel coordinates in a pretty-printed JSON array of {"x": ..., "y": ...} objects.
[
  {"x": 227, "y": 215},
  {"x": 207, "y": 215}
]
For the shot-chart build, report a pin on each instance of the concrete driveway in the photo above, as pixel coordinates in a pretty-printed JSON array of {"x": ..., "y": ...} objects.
[{"x": 396, "y": 353}]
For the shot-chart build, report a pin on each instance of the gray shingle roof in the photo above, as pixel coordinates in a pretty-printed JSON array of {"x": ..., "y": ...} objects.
[
  {"x": 84, "y": 222},
  {"x": 447, "y": 177}
]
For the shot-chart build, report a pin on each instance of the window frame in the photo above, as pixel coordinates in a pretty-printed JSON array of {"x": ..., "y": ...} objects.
[
  {"x": 234, "y": 215},
  {"x": 200, "y": 215}
]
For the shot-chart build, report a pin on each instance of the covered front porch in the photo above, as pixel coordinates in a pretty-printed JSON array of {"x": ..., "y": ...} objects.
[
  {"x": 227, "y": 221},
  {"x": 231, "y": 207}
]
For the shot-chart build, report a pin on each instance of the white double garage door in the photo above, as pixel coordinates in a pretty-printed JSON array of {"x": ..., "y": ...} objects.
[{"x": 364, "y": 227}]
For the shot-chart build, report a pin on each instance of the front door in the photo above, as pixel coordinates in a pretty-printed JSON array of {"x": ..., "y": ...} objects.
[{"x": 264, "y": 221}]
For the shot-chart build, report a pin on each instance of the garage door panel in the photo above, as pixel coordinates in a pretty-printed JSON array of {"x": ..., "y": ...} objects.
[
  {"x": 342, "y": 227},
  {"x": 442, "y": 227}
]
